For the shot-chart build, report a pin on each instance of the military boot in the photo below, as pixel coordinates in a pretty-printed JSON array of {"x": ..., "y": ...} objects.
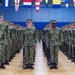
[
  {"x": 55, "y": 65},
  {"x": 17, "y": 51},
  {"x": 51, "y": 65},
  {"x": 73, "y": 59},
  {"x": 2, "y": 66},
  {"x": 6, "y": 62},
  {"x": 9, "y": 60},
  {"x": 31, "y": 66},
  {"x": 26, "y": 66}
]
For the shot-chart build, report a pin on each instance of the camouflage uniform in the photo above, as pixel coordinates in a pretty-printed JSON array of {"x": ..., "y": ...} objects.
[
  {"x": 3, "y": 42},
  {"x": 7, "y": 47},
  {"x": 29, "y": 45},
  {"x": 10, "y": 41},
  {"x": 39, "y": 35},
  {"x": 55, "y": 40}
]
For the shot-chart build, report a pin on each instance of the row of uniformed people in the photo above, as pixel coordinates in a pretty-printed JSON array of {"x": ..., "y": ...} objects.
[
  {"x": 46, "y": 49},
  {"x": 45, "y": 32},
  {"x": 52, "y": 40},
  {"x": 68, "y": 46},
  {"x": 40, "y": 34},
  {"x": 11, "y": 39},
  {"x": 29, "y": 39}
]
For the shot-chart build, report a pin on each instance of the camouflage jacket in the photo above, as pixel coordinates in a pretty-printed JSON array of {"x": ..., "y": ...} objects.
[
  {"x": 55, "y": 37},
  {"x": 3, "y": 32},
  {"x": 29, "y": 37}
]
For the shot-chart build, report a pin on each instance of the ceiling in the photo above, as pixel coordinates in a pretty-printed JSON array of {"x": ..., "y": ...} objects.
[{"x": 42, "y": 3}]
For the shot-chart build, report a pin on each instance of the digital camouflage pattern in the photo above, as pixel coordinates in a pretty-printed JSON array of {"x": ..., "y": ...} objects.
[{"x": 30, "y": 40}]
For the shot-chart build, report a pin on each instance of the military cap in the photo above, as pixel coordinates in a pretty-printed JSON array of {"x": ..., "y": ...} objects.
[
  {"x": 53, "y": 21},
  {"x": 28, "y": 20},
  {"x": 1, "y": 16},
  {"x": 6, "y": 21}
]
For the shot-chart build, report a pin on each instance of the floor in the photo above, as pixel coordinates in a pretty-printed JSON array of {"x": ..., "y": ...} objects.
[{"x": 66, "y": 67}]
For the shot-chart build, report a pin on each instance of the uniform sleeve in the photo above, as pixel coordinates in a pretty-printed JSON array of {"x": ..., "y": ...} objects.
[
  {"x": 47, "y": 37},
  {"x": 36, "y": 36},
  {"x": 23, "y": 36},
  {"x": 60, "y": 37},
  {"x": 6, "y": 33}
]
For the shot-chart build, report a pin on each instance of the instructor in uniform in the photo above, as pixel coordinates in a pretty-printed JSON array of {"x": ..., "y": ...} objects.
[
  {"x": 30, "y": 40},
  {"x": 56, "y": 38}
]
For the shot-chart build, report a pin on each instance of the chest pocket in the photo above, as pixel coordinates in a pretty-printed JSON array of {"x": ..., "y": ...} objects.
[
  {"x": 54, "y": 34},
  {"x": 29, "y": 32},
  {"x": 3, "y": 27}
]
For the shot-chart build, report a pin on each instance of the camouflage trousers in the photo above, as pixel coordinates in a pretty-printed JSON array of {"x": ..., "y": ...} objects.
[
  {"x": 19, "y": 45},
  {"x": 7, "y": 52},
  {"x": 29, "y": 55},
  {"x": 13, "y": 49},
  {"x": 54, "y": 54},
  {"x": 2, "y": 57},
  {"x": 73, "y": 52},
  {"x": 69, "y": 49}
]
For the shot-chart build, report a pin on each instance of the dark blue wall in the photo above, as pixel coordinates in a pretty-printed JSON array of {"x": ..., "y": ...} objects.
[
  {"x": 42, "y": 24},
  {"x": 62, "y": 16}
]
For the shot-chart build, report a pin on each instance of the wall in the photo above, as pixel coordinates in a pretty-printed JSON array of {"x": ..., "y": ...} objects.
[{"x": 62, "y": 15}]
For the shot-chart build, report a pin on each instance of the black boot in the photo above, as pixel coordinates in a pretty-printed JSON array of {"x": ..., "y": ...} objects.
[
  {"x": 14, "y": 55},
  {"x": 6, "y": 62},
  {"x": 31, "y": 67},
  {"x": 69, "y": 57},
  {"x": 55, "y": 65},
  {"x": 9, "y": 60},
  {"x": 2, "y": 66},
  {"x": 51, "y": 65},
  {"x": 48, "y": 62},
  {"x": 34, "y": 59},
  {"x": 17, "y": 51},
  {"x": 26, "y": 66},
  {"x": 11, "y": 57}
]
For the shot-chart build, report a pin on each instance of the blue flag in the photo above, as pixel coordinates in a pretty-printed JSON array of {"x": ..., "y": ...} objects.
[
  {"x": 6, "y": 3},
  {"x": 67, "y": 3}
]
